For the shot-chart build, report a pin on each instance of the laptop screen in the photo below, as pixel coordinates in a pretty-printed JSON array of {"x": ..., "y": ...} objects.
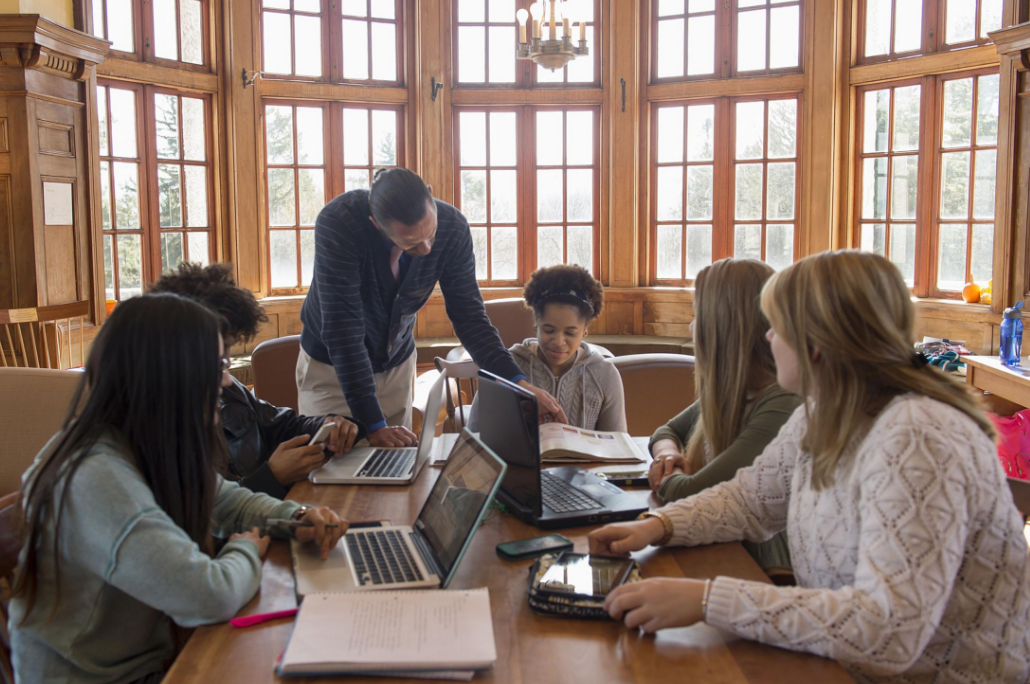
[
  {"x": 458, "y": 499},
  {"x": 508, "y": 424}
]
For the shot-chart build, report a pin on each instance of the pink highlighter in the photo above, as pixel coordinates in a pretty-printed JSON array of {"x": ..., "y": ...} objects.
[{"x": 250, "y": 620}]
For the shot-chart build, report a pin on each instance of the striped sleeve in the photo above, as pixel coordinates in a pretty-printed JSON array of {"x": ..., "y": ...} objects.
[
  {"x": 465, "y": 309},
  {"x": 338, "y": 270}
]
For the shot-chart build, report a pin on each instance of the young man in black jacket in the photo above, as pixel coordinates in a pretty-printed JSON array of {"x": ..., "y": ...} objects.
[{"x": 267, "y": 445}]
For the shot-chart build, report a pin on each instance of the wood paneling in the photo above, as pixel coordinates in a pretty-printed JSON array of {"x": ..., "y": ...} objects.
[
  {"x": 8, "y": 273},
  {"x": 61, "y": 270}
]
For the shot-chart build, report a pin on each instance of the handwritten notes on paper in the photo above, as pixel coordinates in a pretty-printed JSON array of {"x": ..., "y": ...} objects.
[{"x": 57, "y": 204}]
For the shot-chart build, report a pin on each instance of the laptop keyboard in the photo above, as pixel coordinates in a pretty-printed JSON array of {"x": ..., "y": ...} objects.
[
  {"x": 382, "y": 557},
  {"x": 388, "y": 463},
  {"x": 561, "y": 497}
]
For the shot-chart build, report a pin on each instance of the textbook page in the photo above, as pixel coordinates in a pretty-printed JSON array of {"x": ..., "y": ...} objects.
[
  {"x": 392, "y": 630},
  {"x": 569, "y": 444}
]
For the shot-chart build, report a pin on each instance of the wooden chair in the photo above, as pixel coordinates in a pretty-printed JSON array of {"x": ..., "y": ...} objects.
[
  {"x": 40, "y": 330},
  {"x": 274, "y": 363},
  {"x": 10, "y": 546},
  {"x": 657, "y": 387},
  {"x": 457, "y": 371}
]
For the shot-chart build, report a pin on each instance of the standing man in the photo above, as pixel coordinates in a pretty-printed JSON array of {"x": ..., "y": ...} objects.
[{"x": 378, "y": 256}]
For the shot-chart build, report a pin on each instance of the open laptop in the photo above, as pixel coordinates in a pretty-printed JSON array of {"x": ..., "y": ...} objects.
[
  {"x": 387, "y": 465},
  {"x": 426, "y": 554},
  {"x": 552, "y": 498}
]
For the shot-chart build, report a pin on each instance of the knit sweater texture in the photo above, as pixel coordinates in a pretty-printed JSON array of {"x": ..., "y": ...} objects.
[{"x": 912, "y": 566}]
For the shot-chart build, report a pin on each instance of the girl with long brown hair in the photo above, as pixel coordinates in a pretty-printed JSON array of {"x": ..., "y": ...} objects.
[
  {"x": 739, "y": 407},
  {"x": 907, "y": 548}
]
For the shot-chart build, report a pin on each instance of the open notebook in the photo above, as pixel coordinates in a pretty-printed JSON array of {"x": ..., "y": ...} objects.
[{"x": 413, "y": 632}]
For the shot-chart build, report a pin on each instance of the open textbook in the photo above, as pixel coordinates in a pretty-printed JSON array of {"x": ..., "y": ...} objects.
[
  {"x": 409, "y": 632},
  {"x": 568, "y": 444}
]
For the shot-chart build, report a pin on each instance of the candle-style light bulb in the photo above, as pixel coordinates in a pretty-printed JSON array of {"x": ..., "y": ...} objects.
[
  {"x": 522, "y": 15},
  {"x": 553, "y": 19},
  {"x": 537, "y": 10}
]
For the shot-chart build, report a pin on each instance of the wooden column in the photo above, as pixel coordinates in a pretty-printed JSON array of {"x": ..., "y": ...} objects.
[
  {"x": 621, "y": 62},
  {"x": 1011, "y": 244},
  {"x": 46, "y": 140}
]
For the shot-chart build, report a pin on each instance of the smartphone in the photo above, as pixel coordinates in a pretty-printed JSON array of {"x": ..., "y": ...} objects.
[
  {"x": 582, "y": 575},
  {"x": 323, "y": 434},
  {"x": 531, "y": 548},
  {"x": 635, "y": 478}
]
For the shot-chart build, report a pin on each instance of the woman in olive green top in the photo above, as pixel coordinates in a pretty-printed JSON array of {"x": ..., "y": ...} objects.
[{"x": 740, "y": 408}]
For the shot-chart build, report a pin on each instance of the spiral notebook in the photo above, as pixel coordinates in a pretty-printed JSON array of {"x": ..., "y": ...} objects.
[{"x": 416, "y": 632}]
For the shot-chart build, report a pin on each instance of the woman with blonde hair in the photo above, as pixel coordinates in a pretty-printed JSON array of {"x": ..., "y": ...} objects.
[
  {"x": 739, "y": 407},
  {"x": 905, "y": 542}
]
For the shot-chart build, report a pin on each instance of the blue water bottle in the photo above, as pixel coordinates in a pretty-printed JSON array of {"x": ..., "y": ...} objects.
[{"x": 1012, "y": 335}]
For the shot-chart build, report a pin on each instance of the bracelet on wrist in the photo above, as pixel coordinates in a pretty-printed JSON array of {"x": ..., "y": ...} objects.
[{"x": 666, "y": 524}]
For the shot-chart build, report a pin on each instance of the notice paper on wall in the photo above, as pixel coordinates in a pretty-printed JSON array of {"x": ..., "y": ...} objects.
[{"x": 57, "y": 204}]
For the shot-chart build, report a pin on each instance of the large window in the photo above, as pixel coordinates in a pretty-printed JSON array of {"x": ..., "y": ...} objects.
[
  {"x": 300, "y": 162},
  {"x": 159, "y": 31},
  {"x": 487, "y": 36},
  {"x": 339, "y": 41},
  {"x": 892, "y": 29},
  {"x": 704, "y": 39},
  {"x": 530, "y": 205},
  {"x": 925, "y": 179},
  {"x": 156, "y": 183},
  {"x": 725, "y": 179}
]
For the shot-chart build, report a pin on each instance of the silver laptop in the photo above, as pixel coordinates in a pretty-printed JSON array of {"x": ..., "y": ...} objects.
[
  {"x": 426, "y": 554},
  {"x": 387, "y": 465}
]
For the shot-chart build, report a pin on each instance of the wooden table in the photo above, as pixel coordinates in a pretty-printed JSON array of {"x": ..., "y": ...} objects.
[
  {"x": 989, "y": 374},
  {"x": 531, "y": 649}
]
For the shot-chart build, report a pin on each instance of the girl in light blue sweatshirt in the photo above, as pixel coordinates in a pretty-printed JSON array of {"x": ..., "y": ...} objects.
[{"x": 121, "y": 508}]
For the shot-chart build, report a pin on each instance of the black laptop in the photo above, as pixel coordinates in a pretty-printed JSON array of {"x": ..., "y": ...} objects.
[{"x": 549, "y": 499}]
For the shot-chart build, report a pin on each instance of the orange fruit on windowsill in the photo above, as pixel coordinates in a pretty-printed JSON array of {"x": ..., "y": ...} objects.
[{"x": 971, "y": 293}]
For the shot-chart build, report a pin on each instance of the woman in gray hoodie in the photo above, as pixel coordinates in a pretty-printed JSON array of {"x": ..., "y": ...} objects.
[{"x": 565, "y": 299}]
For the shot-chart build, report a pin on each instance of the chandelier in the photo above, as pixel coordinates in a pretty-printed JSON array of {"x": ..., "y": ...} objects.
[{"x": 554, "y": 52}]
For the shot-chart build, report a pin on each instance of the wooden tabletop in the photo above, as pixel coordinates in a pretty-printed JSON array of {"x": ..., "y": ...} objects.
[
  {"x": 989, "y": 374},
  {"x": 530, "y": 648}
]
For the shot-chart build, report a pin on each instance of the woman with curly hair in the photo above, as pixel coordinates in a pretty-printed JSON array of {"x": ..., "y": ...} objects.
[
  {"x": 565, "y": 299},
  {"x": 268, "y": 445}
]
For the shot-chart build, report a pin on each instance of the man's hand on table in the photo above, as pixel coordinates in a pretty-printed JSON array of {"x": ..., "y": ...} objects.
[
  {"x": 392, "y": 436},
  {"x": 550, "y": 410}
]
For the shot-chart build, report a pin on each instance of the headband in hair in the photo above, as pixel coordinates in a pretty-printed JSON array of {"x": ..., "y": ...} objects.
[{"x": 568, "y": 293}]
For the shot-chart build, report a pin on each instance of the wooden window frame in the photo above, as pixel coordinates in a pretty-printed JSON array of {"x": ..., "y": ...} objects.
[
  {"x": 765, "y": 161},
  {"x": 331, "y": 19},
  {"x": 725, "y": 41},
  {"x": 724, "y": 163},
  {"x": 153, "y": 161},
  {"x": 332, "y": 166},
  {"x": 143, "y": 35},
  {"x": 150, "y": 230},
  {"x": 337, "y": 138},
  {"x": 921, "y": 274},
  {"x": 526, "y": 223},
  {"x": 935, "y": 201},
  {"x": 525, "y": 70},
  {"x": 933, "y": 33}
]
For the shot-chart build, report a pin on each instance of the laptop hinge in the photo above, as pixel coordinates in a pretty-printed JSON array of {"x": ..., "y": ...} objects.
[{"x": 425, "y": 551}]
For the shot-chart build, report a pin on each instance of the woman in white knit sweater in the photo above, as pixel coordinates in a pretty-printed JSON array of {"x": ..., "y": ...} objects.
[{"x": 908, "y": 551}]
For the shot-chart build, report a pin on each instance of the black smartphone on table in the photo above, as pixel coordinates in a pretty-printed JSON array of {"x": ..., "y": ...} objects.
[
  {"x": 531, "y": 548},
  {"x": 630, "y": 478}
]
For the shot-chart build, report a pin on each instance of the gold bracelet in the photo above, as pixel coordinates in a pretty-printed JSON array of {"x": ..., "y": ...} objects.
[
  {"x": 666, "y": 523},
  {"x": 704, "y": 599}
]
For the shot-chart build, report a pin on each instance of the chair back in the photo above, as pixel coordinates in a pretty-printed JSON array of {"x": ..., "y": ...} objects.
[
  {"x": 514, "y": 322},
  {"x": 456, "y": 397},
  {"x": 33, "y": 405},
  {"x": 274, "y": 363},
  {"x": 10, "y": 546},
  {"x": 657, "y": 387},
  {"x": 43, "y": 337}
]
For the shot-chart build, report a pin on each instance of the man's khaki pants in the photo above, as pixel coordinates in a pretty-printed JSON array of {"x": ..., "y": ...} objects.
[{"x": 319, "y": 392}]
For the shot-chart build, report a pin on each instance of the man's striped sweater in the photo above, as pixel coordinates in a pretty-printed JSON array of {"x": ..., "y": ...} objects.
[{"x": 359, "y": 320}]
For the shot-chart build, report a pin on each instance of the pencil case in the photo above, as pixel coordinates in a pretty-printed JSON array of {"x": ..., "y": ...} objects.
[{"x": 551, "y": 603}]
